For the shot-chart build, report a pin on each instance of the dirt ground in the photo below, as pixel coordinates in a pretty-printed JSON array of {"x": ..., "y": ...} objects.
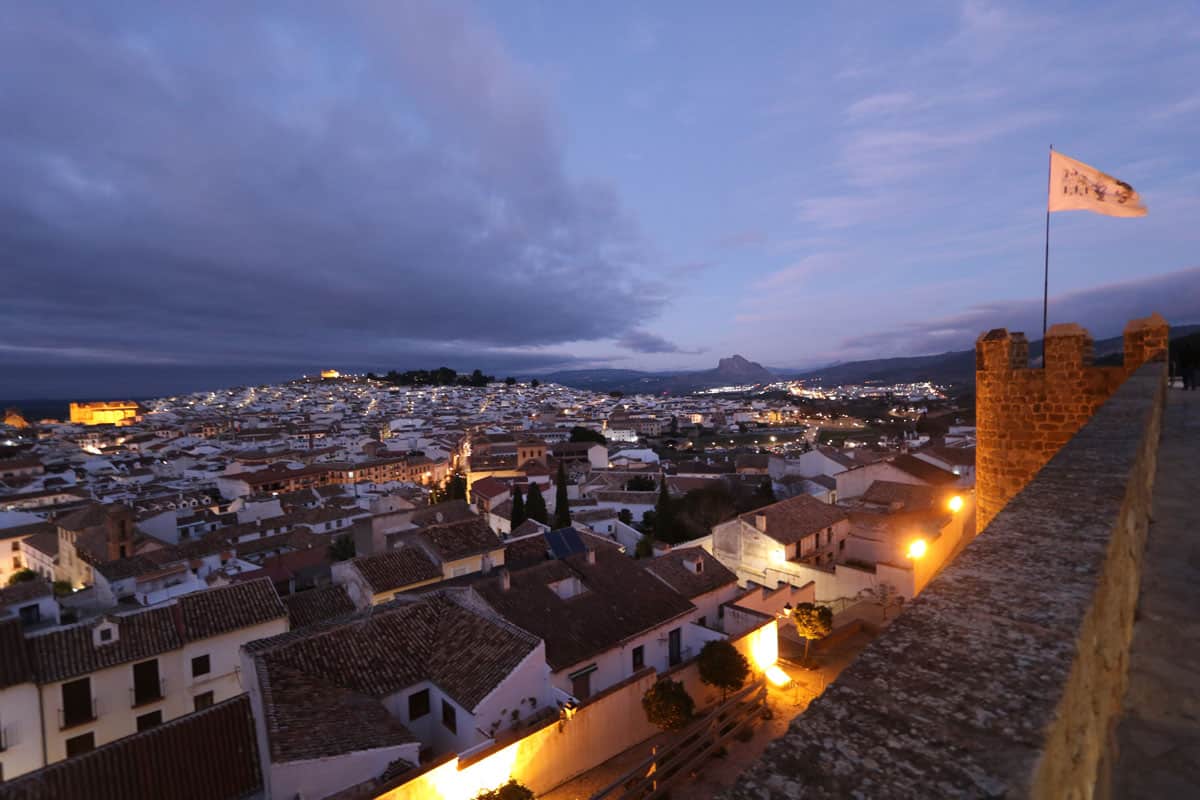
[{"x": 785, "y": 703}]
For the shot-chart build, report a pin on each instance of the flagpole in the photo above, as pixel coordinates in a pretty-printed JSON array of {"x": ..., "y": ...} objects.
[{"x": 1046, "y": 272}]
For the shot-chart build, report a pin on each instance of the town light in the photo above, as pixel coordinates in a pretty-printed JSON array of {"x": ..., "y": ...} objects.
[
  {"x": 956, "y": 503},
  {"x": 917, "y": 549},
  {"x": 777, "y": 676}
]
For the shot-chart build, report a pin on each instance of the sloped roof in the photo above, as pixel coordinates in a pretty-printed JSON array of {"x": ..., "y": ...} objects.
[
  {"x": 377, "y": 653},
  {"x": 621, "y": 600},
  {"x": 674, "y": 569},
  {"x": 923, "y": 470},
  {"x": 318, "y": 605},
  {"x": 789, "y": 521},
  {"x": 209, "y": 755},
  {"x": 14, "y": 662},
  {"x": 454, "y": 540},
  {"x": 396, "y": 569}
]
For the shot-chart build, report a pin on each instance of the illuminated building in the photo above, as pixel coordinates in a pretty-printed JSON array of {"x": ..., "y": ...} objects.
[{"x": 105, "y": 412}]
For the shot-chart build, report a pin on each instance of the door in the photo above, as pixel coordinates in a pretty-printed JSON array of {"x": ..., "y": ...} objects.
[
  {"x": 146, "y": 688},
  {"x": 675, "y": 646}
]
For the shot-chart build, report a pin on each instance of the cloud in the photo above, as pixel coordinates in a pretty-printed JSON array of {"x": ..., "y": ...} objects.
[
  {"x": 1103, "y": 310},
  {"x": 879, "y": 104},
  {"x": 642, "y": 341},
  {"x": 233, "y": 185},
  {"x": 789, "y": 276}
]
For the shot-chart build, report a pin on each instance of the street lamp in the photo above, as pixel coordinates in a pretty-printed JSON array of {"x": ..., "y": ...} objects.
[
  {"x": 917, "y": 549},
  {"x": 956, "y": 503}
]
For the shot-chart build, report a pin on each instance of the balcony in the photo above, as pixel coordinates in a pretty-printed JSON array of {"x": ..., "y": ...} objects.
[
  {"x": 147, "y": 693},
  {"x": 76, "y": 715}
]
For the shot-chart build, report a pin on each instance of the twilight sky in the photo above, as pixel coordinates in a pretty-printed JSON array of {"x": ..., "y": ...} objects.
[{"x": 529, "y": 185}]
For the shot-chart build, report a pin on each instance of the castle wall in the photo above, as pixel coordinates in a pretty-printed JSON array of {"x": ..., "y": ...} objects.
[{"x": 1025, "y": 415}]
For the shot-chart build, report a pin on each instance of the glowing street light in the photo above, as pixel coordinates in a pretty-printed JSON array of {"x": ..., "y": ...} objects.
[
  {"x": 917, "y": 549},
  {"x": 956, "y": 503}
]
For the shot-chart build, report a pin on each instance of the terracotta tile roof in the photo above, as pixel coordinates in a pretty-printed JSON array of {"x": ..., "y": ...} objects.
[
  {"x": 395, "y": 569},
  {"x": 621, "y": 600},
  {"x": 454, "y": 540},
  {"x": 14, "y": 662},
  {"x": 318, "y": 605},
  {"x": 375, "y": 654},
  {"x": 24, "y": 591},
  {"x": 789, "y": 521},
  {"x": 677, "y": 569},
  {"x": 208, "y": 755},
  {"x": 90, "y": 516},
  {"x": 450, "y": 511},
  {"x": 44, "y": 542},
  {"x": 910, "y": 497},
  {"x": 310, "y": 718},
  {"x": 923, "y": 470},
  {"x": 64, "y": 653},
  {"x": 229, "y": 608},
  {"x": 488, "y": 487}
]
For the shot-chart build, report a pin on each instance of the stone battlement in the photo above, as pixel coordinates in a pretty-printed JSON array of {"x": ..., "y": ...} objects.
[
  {"x": 1024, "y": 415},
  {"x": 1005, "y": 677}
]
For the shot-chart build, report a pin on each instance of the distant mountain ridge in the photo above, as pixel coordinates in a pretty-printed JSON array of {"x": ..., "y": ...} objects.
[{"x": 954, "y": 367}]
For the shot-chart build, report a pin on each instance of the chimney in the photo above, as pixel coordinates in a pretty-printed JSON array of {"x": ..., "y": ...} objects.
[
  {"x": 505, "y": 579},
  {"x": 760, "y": 522},
  {"x": 591, "y": 555}
]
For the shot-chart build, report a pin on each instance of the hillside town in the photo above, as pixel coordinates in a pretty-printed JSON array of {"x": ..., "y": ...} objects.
[{"x": 431, "y": 571}]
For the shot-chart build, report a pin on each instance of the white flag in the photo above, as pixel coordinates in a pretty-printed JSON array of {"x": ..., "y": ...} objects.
[{"x": 1074, "y": 186}]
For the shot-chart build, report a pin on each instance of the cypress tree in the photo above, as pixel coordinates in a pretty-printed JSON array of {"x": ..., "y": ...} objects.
[
  {"x": 562, "y": 511},
  {"x": 664, "y": 520},
  {"x": 518, "y": 507},
  {"x": 535, "y": 505}
]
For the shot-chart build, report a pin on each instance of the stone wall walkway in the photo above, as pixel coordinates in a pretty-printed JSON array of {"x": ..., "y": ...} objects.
[{"x": 1158, "y": 738}]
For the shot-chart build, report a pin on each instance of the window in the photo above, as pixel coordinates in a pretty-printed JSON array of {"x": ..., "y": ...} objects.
[
  {"x": 77, "y": 702},
  {"x": 703, "y": 622},
  {"x": 639, "y": 657},
  {"x": 449, "y": 720},
  {"x": 201, "y": 665},
  {"x": 30, "y": 615},
  {"x": 146, "y": 686},
  {"x": 106, "y": 634},
  {"x": 675, "y": 646},
  {"x": 418, "y": 704},
  {"x": 202, "y": 701},
  {"x": 147, "y": 721},
  {"x": 581, "y": 685},
  {"x": 78, "y": 745},
  {"x": 842, "y": 545}
]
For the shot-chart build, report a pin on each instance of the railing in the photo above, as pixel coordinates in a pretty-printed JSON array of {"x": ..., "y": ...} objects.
[
  {"x": 673, "y": 764},
  {"x": 140, "y": 698},
  {"x": 77, "y": 716}
]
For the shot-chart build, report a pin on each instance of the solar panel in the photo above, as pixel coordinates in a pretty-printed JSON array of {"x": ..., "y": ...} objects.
[{"x": 564, "y": 542}]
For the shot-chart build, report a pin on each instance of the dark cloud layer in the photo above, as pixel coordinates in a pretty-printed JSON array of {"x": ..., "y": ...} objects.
[
  {"x": 250, "y": 183},
  {"x": 1103, "y": 310}
]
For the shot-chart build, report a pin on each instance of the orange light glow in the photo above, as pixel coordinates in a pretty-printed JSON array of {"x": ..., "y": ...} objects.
[
  {"x": 917, "y": 549},
  {"x": 956, "y": 504},
  {"x": 777, "y": 676}
]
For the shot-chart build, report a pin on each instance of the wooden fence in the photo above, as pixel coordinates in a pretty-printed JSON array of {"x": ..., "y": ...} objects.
[{"x": 674, "y": 763}]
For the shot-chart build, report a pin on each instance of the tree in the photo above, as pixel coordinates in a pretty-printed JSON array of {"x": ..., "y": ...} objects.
[
  {"x": 812, "y": 622},
  {"x": 535, "y": 383},
  {"x": 535, "y": 505},
  {"x": 342, "y": 548},
  {"x": 640, "y": 483},
  {"x": 668, "y": 705},
  {"x": 582, "y": 434},
  {"x": 22, "y": 576},
  {"x": 644, "y": 548},
  {"x": 518, "y": 508},
  {"x": 509, "y": 791},
  {"x": 562, "y": 506},
  {"x": 62, "y": 588},
  {"x": 455, "y": 488},
  {"x": 664, "y": 520},
  {"x": 510, "y": 381},
  {"x": 626, "y": 516},
  {"x": 883, "y": 595},
  {"x": 722, "y": 666},
  {"x": 765, "y": 495}
]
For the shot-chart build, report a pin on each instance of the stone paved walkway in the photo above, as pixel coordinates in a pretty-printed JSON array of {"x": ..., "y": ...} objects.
[{"x": 1158, "y": 737}]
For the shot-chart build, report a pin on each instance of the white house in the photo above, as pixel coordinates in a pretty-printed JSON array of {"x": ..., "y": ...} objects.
[{"x": 337, "y": 703}]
